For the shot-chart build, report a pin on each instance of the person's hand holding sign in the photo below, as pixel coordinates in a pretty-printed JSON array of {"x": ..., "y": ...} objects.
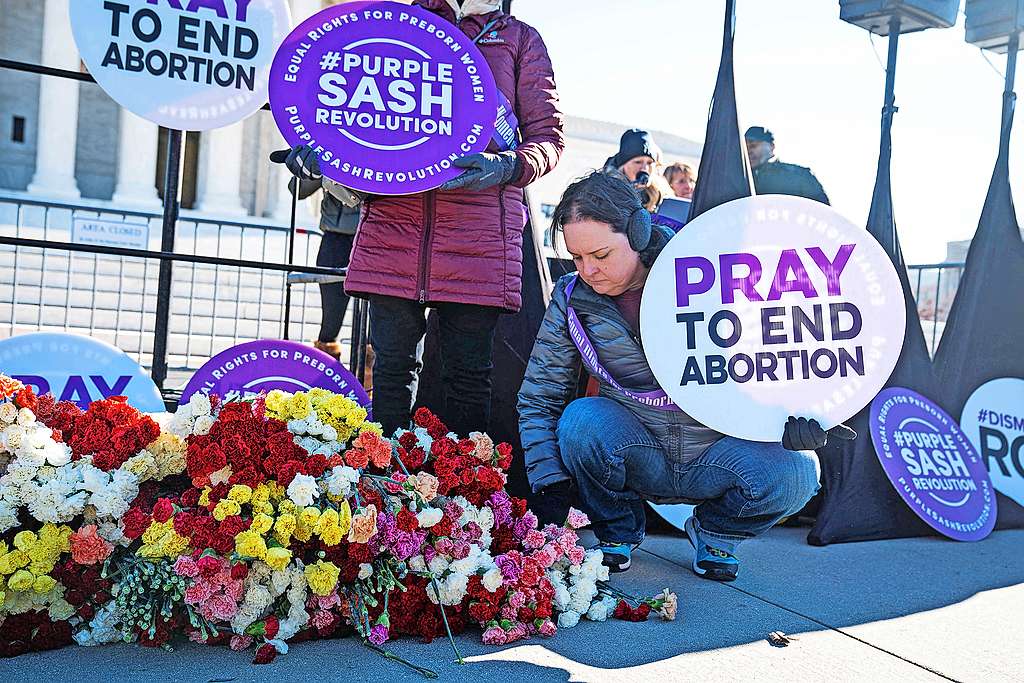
[
  {"x": 301, "y": 160},
  {"x": 484, "y": 171},
  {"x": 801, "y": 434}
]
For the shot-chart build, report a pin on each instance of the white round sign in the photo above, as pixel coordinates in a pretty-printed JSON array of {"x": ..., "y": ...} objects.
[
  {"x": 77, "y": 368},
  {"x": 993, "y": 420},
  {"x": 771, "y": 306},
  {"x": 185, "y": 64}
]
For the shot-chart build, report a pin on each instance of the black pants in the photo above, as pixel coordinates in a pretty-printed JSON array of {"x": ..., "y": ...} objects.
[
  {"x": 397, "y": 327},
  {"x": 335, "y": 250}
]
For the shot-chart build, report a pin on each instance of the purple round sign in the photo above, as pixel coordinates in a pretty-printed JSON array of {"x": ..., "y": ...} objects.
[
  {"x": 268, "y": 364},
  {"x": 932, "y": 465},
  {"x": 387, "y": 94}
]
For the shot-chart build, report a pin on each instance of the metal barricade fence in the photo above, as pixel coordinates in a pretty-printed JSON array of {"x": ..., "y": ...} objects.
[
  {"x": 113, "y": 297},
  {"x": 934, "y": 286},
  {"x": 231, "y": 281}
]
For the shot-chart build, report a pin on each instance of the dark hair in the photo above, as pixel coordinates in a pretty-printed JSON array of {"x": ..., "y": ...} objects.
[
  {"x": 598, "y": 196},
  {"x": 609, "y": 198}
]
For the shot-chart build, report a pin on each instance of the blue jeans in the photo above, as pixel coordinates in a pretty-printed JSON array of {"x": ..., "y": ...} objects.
[{"x": 741, "y": 488}]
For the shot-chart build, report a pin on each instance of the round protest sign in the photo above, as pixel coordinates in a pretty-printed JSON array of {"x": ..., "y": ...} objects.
[
  {"x": 267, "y": 364},
  {"x": 387, "y": 94},
  {"x": 185, "y": 64},
  {"x": 932, "y": 465},
  {"x": 79, "y": 369},
  {"x": 993, "y": 419},
  {"x": 771, "y": 306}
]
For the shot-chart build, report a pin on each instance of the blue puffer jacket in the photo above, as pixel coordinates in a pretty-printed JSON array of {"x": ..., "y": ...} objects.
[{"x": 550, "y": 384}]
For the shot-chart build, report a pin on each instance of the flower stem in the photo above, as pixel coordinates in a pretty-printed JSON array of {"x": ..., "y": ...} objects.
[
  {"x": 426, "y": 673},
  {"x": 394, "y": 452},
  {"x": 444, "y": 618}
]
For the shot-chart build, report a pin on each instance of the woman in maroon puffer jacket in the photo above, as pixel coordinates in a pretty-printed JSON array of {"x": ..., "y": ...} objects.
[{"x": 457, "y": 249}]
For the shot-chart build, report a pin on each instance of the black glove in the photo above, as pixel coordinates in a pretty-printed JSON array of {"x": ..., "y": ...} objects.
[
  {"x": 483, "y": 171},
  {"x": 801, "y": 434},
  {"x": 551, "y": 503},
  {"x": 301, "y": 160}
]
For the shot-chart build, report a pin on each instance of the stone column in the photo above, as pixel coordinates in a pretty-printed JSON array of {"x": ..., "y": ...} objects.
[
  {"x": 57, "y": 131},
  {"x": 220, "y": 160},
  {"x": 281, "y": 204},
  {"x": 136, "y": 162}
]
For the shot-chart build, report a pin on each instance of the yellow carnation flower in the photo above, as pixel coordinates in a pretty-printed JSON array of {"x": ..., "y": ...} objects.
[
  {"x": 322, "y": 577},
  {"x": 12, "y": 561},
  {"x": 250, "y": 544},
  {"x": 226, "y": 508},
  {"x": 44, "y": 584},
  {"x": 278, "y": 558},
  {"x": 204, "y": 497},
  {"x": 345, "y": 517},
  {"x": 24, "y": 540},
  {"x": 240, "y": 493},
  {"x": 21, "y": 580},
  {"x": 261, "y": 523},
  {"x": 309, "y": 516}
]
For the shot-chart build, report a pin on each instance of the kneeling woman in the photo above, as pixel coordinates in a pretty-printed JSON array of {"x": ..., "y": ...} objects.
[{"x": 612, "y": 452}]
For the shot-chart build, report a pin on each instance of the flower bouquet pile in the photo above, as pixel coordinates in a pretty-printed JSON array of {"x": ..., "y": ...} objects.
[{"x": 268, "y": 520}]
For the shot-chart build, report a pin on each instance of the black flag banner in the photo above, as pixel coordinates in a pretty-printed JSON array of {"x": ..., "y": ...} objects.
[
  {"x": 859, "y": 503},
  {"x": 724, "y": 172},
  {"x": 984, "y": 334}
]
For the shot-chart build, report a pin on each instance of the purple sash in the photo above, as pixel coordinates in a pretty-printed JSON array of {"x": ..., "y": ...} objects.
[{"x": 653, "y": 399}]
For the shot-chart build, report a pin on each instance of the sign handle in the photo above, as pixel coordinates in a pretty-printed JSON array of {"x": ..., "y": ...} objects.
[{"x": 163, "y": 292}]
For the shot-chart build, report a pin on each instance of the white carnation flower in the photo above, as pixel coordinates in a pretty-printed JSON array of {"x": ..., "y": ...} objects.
[
  {"x": 199, "y": 404},
  {"x": 428, "y": 517},
  {"x": 303, "y": 490},
  {"x": 568, "y": 619},
  {"x": 341, "y": 480},
  {"x": 492, "y": 579},
  {"x": 203, "y": 425},
  {"x": 8, "y": 413}
]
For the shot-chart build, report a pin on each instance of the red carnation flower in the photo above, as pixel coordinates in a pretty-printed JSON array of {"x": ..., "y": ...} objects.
[
  {"x": 135, "y": 523},
  {"x": 270, "y": 627},
  {"x": 265, "y": 654},
  {"x": 163, "y": 510}
]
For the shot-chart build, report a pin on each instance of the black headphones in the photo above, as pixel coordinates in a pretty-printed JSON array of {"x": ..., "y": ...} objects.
[
  {"x": 638, "y": 229},
  {"x": 646, "y": 239}
]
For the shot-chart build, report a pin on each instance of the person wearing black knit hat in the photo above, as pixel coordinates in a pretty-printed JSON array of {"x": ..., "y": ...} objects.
[{"x": 636, "y": 157}]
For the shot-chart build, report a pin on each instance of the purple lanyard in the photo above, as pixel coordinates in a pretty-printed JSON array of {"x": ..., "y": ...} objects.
[{"x": 653, "y": 399}]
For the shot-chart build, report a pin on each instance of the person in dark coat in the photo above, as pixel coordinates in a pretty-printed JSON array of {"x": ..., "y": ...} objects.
[
  {"x": 339, "y": 218},
  {"x": 772, "y": 176},
  {"x": 457, "y": 249},
  {"x": 613, "y": 451}
]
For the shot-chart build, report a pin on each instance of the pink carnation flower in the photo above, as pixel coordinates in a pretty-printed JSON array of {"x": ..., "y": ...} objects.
[
  {"x": 548, "y": 628},
  {"x": 87, "y": 547},
  {"x": 186, "y": 566},
  {"x": 240, "y": 642},
  {"x": 198, "y": 593},
  {"x": 495, "y": 636},
  {"x": 534, "y": 539},
  {"x": 577, "y": 519}
]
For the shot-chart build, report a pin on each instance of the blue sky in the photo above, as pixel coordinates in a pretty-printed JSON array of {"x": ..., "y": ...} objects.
[{"x": 811, "y": 78}]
